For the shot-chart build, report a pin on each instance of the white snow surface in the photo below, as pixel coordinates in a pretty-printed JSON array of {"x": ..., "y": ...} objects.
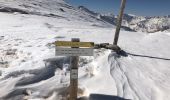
[{"x": 29, "y": 69}]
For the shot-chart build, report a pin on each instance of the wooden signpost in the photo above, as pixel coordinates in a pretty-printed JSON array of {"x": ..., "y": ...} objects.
[
  {"x": 62, "y": 49},
  {"x": 72, "y": 48},
  {"x": 74, "y": 44},
  {"x": 119, "y": 22}
]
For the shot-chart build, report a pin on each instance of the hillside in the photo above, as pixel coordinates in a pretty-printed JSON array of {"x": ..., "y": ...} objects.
[{"x": 53, "y": 8}]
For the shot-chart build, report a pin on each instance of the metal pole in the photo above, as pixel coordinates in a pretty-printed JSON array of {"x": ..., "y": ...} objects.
[
  {"x": 119, "y": 22},
  {"x": 74, "y": 74}
]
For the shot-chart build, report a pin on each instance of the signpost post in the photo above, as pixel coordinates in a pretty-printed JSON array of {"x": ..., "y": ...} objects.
[
  {"x": 63, "y": 50},
  {"x": 119, "y": 22},
  {"x": 74, "y": 74}
]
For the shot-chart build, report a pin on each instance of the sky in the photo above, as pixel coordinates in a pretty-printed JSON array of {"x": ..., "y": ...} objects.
[{"x": 136, "y": 7}]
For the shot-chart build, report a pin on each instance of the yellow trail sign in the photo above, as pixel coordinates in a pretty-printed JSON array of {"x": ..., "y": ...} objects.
[{"x": 74, "y": 44}]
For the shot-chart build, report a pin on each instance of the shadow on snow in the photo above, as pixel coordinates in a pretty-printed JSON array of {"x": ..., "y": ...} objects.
[
  {"x": 105, "y": 97},
  {"x": 126, "y": 54}
]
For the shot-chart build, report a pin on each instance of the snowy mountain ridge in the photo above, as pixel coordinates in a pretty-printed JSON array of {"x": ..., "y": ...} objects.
[
  {"x": 147, "y": 24},
  {"x": 136, "y": 23}
]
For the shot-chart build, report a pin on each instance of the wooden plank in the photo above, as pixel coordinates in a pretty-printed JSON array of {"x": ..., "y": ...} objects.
[
  {"x": 74, "y": 44},
  {"x": 74, "y": 71},
  {"x": 73, "y": 51}
]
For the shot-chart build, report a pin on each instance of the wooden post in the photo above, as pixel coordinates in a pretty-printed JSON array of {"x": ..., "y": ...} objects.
[
  {"x": 74, "y": 74},
  {"x": 119, "y": 22}
]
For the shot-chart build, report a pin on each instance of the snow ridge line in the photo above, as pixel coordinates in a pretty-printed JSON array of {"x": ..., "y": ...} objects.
[
  {"x": 22, "y": 11},
  {"x": 127, "y": 79},
  {"x": 122, "y": 80}
]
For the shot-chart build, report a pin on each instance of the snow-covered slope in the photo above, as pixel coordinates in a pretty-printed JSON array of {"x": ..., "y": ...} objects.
[
  {"x": 53, "y": 8},
  {"x": 108, "y": 18},
  {"x": 135, "y": 23},
  {"x": 29, "y": 69},
  {"x": 147, "y": 24},
  {"x": 140, "y": 23}
]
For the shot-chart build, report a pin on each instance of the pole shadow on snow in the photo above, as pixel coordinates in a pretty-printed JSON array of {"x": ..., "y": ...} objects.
[
  {"x": 105, "y": 97},
  {"x": 126, "y": 54}
]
